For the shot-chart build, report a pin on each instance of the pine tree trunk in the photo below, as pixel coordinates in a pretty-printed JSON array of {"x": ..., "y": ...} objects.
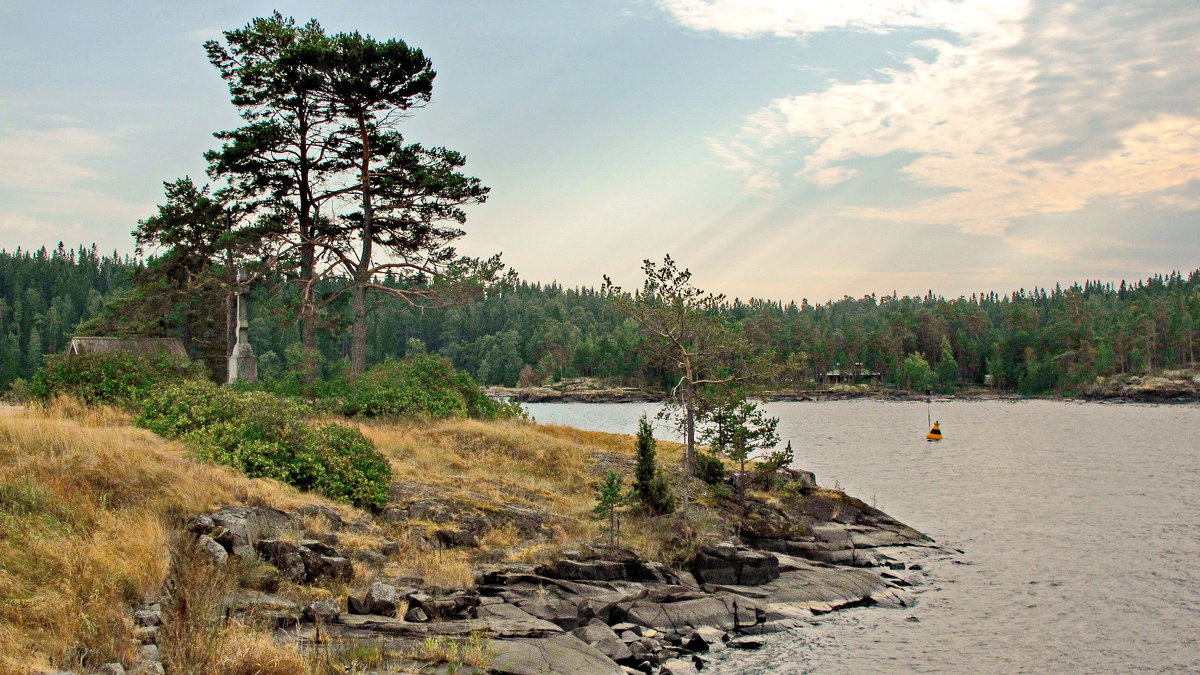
[
  {"x": 358, "y": 336},
  {"x": 689, "y": 460},
  {"x": 308, "y": 318},
  {"x": 308, "y": 255}
]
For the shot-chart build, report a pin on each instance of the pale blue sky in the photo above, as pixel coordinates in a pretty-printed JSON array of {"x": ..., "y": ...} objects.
[{"x": 779, "y": 148}]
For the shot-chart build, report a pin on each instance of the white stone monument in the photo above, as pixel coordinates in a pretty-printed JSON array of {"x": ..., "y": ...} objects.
[{"x": 242, "y": 363}]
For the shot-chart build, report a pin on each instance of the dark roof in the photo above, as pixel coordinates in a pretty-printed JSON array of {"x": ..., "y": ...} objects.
[{"x": 95, "y": 345}]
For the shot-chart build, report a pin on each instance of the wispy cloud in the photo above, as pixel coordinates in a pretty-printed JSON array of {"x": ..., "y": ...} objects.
[
  {"x": 45, "y": 160},
  {"x": 1033, "y": 109},
  {"x": 789, "y": 18},
  {"x": 57, "y": 172}
]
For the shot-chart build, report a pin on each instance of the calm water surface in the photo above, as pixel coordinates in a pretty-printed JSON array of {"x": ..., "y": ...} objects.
[{"x": 1080, "y": 524}]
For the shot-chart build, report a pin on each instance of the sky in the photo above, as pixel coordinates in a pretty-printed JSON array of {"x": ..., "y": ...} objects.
[{"x": 780, "y": 149}]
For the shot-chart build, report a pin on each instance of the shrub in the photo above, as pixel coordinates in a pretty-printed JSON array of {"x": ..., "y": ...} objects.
[
  {"x": 355, "y": 471},
  {"x": 419, "y": 386},
  {"x": 709, "y": 468},
  {"x": 117, "y": 378},
  {"x": 422, "y": 386},
  {"x": 265, "y": 436}
]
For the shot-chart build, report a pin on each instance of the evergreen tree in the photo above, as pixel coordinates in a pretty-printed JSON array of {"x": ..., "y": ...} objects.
[
  {"x": 736, "y": 428},
  {"x": 610, "y": 498},
  {"x": 678, "y": 322},
  {"x": 650, "y": 484}
]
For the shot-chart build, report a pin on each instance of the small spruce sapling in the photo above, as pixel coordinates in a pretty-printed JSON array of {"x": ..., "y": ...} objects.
[
  {"x": 650, "y": 486},
  {"x": 610, "y": 497}
]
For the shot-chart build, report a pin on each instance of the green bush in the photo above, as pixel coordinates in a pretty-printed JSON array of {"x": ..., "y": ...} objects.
[
  {"x": 422, "y": 386},
  {"x": 355, "y": 471},
  {"x": 265, "y": 436},
  {"x": 709, "y": 468},
  {"x": 115, "y": 378}
]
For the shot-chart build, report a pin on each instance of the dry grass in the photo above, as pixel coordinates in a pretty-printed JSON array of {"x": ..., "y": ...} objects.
[
  {"x": 546, "y": 467},
  {"x": 88, "y": 504},
  {"x": 505, "y": 461},
  {"x": 85, "y": 508},
  {"x": 250, "y": 652},
  {"x": 541, "y": 466}
]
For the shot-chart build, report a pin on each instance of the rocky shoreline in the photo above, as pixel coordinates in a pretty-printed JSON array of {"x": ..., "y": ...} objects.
[
  {"x": 599, "y": 609},
  {"x": 1134, "y": 389}
]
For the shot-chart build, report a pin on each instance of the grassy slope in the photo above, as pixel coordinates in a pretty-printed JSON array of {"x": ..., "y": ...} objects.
[{"x": 89, "y": 508}]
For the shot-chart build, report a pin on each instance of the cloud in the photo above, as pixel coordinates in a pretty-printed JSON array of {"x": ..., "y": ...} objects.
[
  {"x": 997, "y": 188},
  {"x": 1032, "y": 109},
  {"x": 44, "y": 160},
  {"x": 789, "y": 18},
  {"x": 741, "y": 158},
  {"x": 56, "y": 172}
]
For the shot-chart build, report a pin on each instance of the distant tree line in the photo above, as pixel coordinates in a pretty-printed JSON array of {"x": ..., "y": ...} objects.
[
  {"x": 1036, "y": 341},
  {"x": 44, "y": 294}
]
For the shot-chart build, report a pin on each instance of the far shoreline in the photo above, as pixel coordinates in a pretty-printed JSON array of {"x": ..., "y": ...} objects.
[{"x": 572, "y": 393}]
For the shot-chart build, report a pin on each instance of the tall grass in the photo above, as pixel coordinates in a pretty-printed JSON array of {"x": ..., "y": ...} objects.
[{"x": 85, "y": 511}]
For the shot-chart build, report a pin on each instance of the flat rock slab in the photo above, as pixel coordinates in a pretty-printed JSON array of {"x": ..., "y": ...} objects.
[
  {"x": 716, "y": 611},
  {"x": 493, "y": 626},
  {"x": 563, "y": 653},
  {"x": 821, "y": 588}
]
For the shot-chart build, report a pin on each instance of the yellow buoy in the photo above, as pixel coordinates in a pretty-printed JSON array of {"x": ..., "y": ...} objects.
[{"x": 935, "y": 434}]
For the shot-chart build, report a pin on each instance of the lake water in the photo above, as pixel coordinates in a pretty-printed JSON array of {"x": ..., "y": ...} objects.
[{"x": 1079, "y": 522}]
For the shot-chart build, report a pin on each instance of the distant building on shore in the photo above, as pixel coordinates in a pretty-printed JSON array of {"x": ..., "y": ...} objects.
[
  {"x": 853, "y": 374},
  {"x": 137, "y": 345}
]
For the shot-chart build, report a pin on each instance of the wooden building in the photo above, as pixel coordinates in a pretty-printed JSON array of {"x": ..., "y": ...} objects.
[{"x": 137, "y": 345}]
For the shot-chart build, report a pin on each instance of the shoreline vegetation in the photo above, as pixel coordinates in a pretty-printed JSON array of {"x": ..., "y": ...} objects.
[
  {"x": 483, "y": 557},
  {"x": 1181, "y": 386}
]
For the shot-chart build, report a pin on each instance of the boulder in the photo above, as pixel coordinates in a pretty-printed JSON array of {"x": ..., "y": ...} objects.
[
  {"x": 331, "y": 516},
  {"x": 503, "y": 610},
  {"x": 148, "y": 614},
  {"x": 746, "y": 643},
  {"x": 593, "y": 570},
  {"x": 723, "y": 610},
  {"x": 456, "y": 605},
  {"x": 560, "y": 654},
  {"x": 600, "y": 636},
  {"x": 678, "y": 667},
  {"x": 457, "y": 538},
  {"x": 305, "y": 561},
  {"x": 325, "y": 611},
  {"x": 496, "y": 627},
  {"x": 705, "y": 639},
  {"x": 149, "y": 654},
  {"x": 594, "y": 632},
  {"x": 210, "y": 549},
  {"x": 355, "y": 606},
  {"x": 236, "y": 527},
  {"x": 381, "y": 599},
  {"x": 286, "y": 557},
  {"x": 747, "y": 568}
]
